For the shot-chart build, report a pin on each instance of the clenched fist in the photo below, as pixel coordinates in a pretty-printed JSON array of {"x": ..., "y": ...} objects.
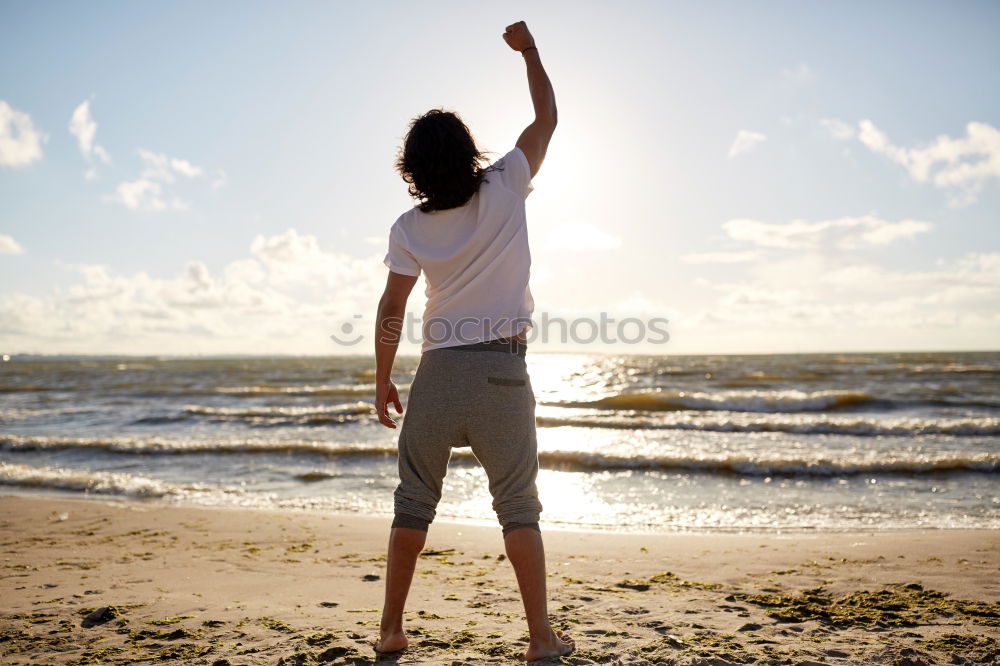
[{"x": 518, "y": 37}]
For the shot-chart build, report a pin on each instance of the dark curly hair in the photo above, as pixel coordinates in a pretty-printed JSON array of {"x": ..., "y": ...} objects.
[{"x": 440, "y": 161}]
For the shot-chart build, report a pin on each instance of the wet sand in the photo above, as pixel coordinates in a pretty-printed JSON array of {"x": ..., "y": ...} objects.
[{"x": 233, "y": 586}]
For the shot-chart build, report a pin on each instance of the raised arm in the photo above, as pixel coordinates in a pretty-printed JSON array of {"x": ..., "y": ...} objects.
[{"x": 534, "y": 140}]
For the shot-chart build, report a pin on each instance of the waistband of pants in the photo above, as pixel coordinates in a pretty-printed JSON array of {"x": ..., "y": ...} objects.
[{"x": 509, "y": 345}]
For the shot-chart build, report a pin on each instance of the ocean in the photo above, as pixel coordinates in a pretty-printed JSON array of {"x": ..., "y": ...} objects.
[{"x": 637, "y": 443}]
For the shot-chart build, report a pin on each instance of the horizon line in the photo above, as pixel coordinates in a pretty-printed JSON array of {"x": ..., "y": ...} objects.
[{"x": 9, "y": 357}]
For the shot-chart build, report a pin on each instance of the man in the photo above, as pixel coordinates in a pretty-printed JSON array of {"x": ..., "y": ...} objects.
[{"x": 468, "y": 236}]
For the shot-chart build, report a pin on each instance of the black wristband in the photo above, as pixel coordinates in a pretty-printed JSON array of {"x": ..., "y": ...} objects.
[{"x": 528, "y": 49}]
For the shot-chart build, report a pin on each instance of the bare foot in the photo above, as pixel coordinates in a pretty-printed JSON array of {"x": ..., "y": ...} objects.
[
  {"x": 558, "y": 645},
  {"x": 391, "y": 642}
]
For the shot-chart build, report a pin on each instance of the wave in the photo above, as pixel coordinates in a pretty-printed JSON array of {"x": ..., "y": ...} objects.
[
  {"x": 935, "y": 369},
  {"x": 586, "y": 461},
  {"x": 283, "y": 416},
  {"x": 135, "y": 389},
  {"x": 18, "y": 388},
  {"x": 183, "y": 446},
  {"x": 802, "y": 424},
  {"x": 318, "y": 390},
  {"x": 731, "y": 401},
  {"x": 315, "y": 475},
  {"x": 280, "y": 412},
  {"x": 747, "y": 466},
  {"x": 268, "y": 416},
  {"x": 103, "y": 483}
]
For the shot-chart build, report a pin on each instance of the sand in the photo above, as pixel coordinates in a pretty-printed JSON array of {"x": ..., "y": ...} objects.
[{"x": 241, "y": 586}]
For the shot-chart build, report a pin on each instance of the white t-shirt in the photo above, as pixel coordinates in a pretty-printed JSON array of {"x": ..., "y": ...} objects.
[{"x": 475, "y": 259}]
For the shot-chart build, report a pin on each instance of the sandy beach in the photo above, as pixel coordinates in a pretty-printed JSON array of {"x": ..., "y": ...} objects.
[{"x": 235, "y": 586}]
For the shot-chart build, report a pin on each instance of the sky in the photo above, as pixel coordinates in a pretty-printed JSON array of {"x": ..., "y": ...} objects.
[{"x": 217, "y": 178}]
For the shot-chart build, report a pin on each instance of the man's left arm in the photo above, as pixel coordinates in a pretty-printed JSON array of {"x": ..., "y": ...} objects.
[{"x": 388, "y": 329}]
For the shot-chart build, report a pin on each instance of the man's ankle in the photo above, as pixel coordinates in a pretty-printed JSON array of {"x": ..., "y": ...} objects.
[{"x": 540, "y": 637}]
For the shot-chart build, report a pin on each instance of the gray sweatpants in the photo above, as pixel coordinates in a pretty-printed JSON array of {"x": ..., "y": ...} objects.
[{"x": 480, "y": 399}]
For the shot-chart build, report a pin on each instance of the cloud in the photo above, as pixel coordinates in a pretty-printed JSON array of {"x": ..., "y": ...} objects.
[
  {"x": 289, "y": 248},
  {"x": 148, "y": 192},
  {"x": 83, "y": 126},
  {"x": 580, "y": 236},
  {"x": 719, "y": 257},
  {"x": 20, "y": 141},
  {"x": 838, "y": 129},
  {"x": 142, "y": 194},
  {"x": 961, "y": 165},
  {"x": 813, "y": 292},
  {"x": 843, "y": 233},
  {"x": 10, "y": 246},
  {"x": 838, "y": 302},
  {"x": 185, "y": 168},
  {"x": 292, "y": 258},
  {"x": 287, "y": 295},
  {"x": 157, "y": 166},
  {"x": 745, "y": 141}
]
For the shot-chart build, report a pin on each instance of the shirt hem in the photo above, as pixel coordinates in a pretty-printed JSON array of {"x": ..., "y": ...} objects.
[{"x": 402, "y": 271}]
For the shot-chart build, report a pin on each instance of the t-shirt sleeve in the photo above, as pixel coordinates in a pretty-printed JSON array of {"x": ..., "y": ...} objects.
[
  {"x": 399, "y": 259},
  {"x": 515, "y": 172}
]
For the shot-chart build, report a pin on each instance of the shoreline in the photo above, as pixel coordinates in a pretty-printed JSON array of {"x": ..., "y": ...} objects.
[
  {"x": 193, "y": 584},
  {"x": 482, "y": 523}
]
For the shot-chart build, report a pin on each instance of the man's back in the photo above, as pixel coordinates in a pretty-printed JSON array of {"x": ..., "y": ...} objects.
[{"x": 475, "y": 258}]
